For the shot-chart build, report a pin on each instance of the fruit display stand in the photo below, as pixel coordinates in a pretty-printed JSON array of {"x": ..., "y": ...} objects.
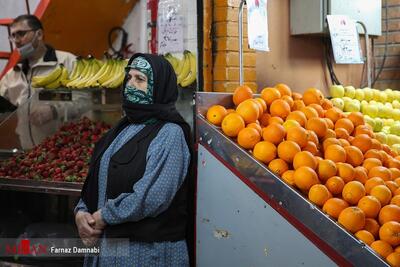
[{"x": 246, "y": 215}]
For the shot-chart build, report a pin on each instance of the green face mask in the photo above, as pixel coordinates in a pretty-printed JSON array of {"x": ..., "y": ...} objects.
[{"x": 135, "y": 95}]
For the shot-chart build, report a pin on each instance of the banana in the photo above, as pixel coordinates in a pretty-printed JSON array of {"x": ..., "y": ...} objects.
[
  {"x": 185, "y": 69},
  {"x": 83, "y": 73},
  {"x": 92, "y": 82},
  {"x": 191, "y": 77},
  {"x": 171, "y": 60},
  {"x": 58, "y": 82},
  {"x": 93, "y": 68},
  {"x": 40, "y": 81},
  {"x": 76, "y": 70},
  {"x": 179, "y": 65},
  {"x": 107, "y": 75},
  {"x": 117, "y": 76}
]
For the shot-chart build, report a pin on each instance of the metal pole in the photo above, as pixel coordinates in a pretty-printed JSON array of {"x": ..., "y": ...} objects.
[
  {"x": 242, "y": 3},
  {"x": 28, "y": 10},
  {"x": 367, "y": 53}
]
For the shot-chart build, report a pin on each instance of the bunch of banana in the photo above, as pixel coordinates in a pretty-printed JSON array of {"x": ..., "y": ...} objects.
[
  {"x": 52, "y": 80},
  {"x": 185, "y": 68},
  {"x": 115, "y": 76},
  {"x": 82, "y": 73}
]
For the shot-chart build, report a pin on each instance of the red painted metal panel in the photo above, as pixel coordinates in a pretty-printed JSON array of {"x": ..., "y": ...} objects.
[
  {"x": 5, "y": 55},
  {"x": 5, "y": 22}
]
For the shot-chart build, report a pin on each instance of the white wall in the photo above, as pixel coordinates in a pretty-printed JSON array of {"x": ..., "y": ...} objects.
[{"x": 12, "y": 9}]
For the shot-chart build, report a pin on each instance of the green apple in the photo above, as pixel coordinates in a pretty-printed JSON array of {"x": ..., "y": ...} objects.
[
  {"x": 359, "y": 94},
  {"x": 337, "y": 90},
  {"x": 396, "y": 148},
  {"x": 352, "y": 106},
  {"x": 376, "y": 95},
  {"x": 384, "y": 112},
  {"x": 364, "y": 105},
  {"x": 393, "y": 139},
  {"x": 368, "y": 94},
  {"x": 386, "y": 129},
  {"x": 372, "y": 110},
  {"x": 350, "y": 91},
  {"x": 369, "y": 120},
  {"x": 378, "y": 125},
  {"x": 381, "y": 137},
  {"x": 388, "y": 122},
  {"x": 373, "y": 102},
  {"x": 389, "y": 95},
  {"x": 396, "y": 104},
  {"x": 395, "y": 129},
  {"x": 389, "y": 105},
  {"x": 338, "y": 102},
  {"x": 382, "y": 97},
  {"x": 396, "y": 114},
  {"x": 396, "y": 95}
]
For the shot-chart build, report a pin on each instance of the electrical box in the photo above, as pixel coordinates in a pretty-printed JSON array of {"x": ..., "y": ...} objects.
[{"x": 309, "y": 16}]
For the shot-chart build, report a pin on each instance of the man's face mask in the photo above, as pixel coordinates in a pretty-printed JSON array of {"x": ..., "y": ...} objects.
[{"x": 27, "y": 50}]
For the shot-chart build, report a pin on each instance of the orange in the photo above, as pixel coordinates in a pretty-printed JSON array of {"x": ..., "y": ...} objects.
[
  {"x": 319, "y": 110},
  {"x": 278, "y": 166},
  {"x": 352, "y": 218},
  {"x": 335, "y": 185},
  {"x": 380, "y": 171},
  {"x": 318, "y": 126},
  {"x": 345, "y": 124},
  {"x": 333, "y": 114},
  {"x": 335, "y": 153},
  {"x": 363, "y": 142},
  {"x": 319, "y": 194},
  {"x": 304, "y": 158},
  {"x": 397, "y": 192},
  {"x": 298, "y": 105},
  {"x": 248, "y": 138},
  {"x": 255, "y": 126},
  {"x": 395, "y": 173},
  {"x": 372, "y": 182},
  {"x": 242, "y": 93},
  {"x": 248, "y": 110},
  {"x": 326, "y": 169},
  {"x": 354, "y": 156},
  {"x": 326, "y": 104},
  {"x": 262, "y": 103},
  {"x": 397, "y": 249},
  {"x": 353, "y": 191},
  {"x": 288, "y": 177},
  {"x": 395, "y": 200},
  {"x": 376, "y": 144},
  {"x": 270, "y": 94},
  {"x": 342, "y": 133},
  {"x": 264, "y": 119},
  {"x": 345, "y": 171},
  {"x": 260, "y": 107},
  {"x": 357, "y": 118},
  {"x": 289, "y": 100},
  {"x": 312, "y": 96},
  {"x": 334, "y": 206},
  {"x": 279, "y": 108},
  {"x": 383, "y": 248},
  {"x": 312, "y": 137},
  {"x": 330, "y": 141},
  {"x": 283, "y": 89},
  {"x": 275, "y": 120},
  {"x": 330, "y": 124},
  {"x": 232, "y": 124},
  {"x": 365, "y": 236},
  {"x": 309, "y": 112},
  {"x": 297, "y": 135},
  {"x": 297, "y": 116},
  {"x": 311, "y": 147},
  {"x": 373, "y": 153},
  {"x": 371, "y": 163},
  {"x": 264, "y": 151},
  {"x": 305, "y": 177},
  {"x": 297, "y": 96},
  {"x": 389, "y": 213},
  {"x": 370, "y": 205},
  {"x": 230, "y": 110},
  {"x": 392, "y": 185},
  {"x": 274, "y": 133},
  {"x": 372, "y": 226},
  {"x": 215, "y": 114},
  {"x": 360, "y": 174},
  {"x": 390, "y": 232},
  {"x": 394, "y": 259},
  {"x": 344, "y": 142},
  {"x": 382, "y": 193},
  {"x": 329, "y": 134},
  {"x": 287, "y": 150},
  {"x": 363, "y": 129},
  {"x": 393, "y": 163}
]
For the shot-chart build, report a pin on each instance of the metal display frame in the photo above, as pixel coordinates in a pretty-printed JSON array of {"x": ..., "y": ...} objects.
[{"x": 340, "y": 245}]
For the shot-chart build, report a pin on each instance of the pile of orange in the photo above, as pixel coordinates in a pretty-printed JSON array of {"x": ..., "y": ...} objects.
[{"x": 331, "y": 157}]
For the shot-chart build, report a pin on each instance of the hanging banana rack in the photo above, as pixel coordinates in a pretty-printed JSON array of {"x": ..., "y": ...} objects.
[{"x": 241, "y": 6}]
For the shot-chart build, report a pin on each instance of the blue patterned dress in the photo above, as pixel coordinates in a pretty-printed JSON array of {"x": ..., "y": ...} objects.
[{"x": 167, "y": 164}]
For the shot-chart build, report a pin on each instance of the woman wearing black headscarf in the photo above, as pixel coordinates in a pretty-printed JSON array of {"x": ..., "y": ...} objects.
[{"x": 137, "y": 186}]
